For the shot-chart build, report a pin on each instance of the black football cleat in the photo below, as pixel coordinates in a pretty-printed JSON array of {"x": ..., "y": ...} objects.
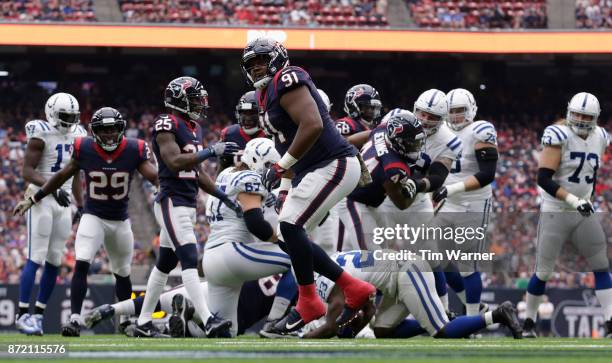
[
  {"x": 95, "y": 316},
  {"x": 608, "y": 327},
  {"x": 216, "y": 327},
  {"x": 148, "y": 330},
  {"x": 71, "y": 329},
  {"x": 270, "y": 331},
  {"x": 182, "y": 312},
  {"x": 505, "y": 314},
  {"x": 292, "y": 322},
  {"x": 529, "y": 329}
]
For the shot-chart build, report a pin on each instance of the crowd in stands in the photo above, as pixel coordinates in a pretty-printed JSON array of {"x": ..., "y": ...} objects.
[
  {"x": 47, "y": 10},
  {"x": 479, "y": 15},
  {"x": 258, "y": 12},
  {"x": 593, "y": 14}
]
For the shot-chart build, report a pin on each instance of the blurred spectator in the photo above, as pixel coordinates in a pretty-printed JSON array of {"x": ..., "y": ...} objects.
[
  {"x": 593, "y": 14},
  {"x": 45, "y": 10}
]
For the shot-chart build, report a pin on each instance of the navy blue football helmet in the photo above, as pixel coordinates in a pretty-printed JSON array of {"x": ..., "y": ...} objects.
[
  {"x": 275, "y": 55},
  {"x": 363, "y": 101},
  {"x": 247, "y": 113},
  {"x": 187, "y": 95},
  {"x": 405, "y": 135},
  {"x": 107, "y": 127}
]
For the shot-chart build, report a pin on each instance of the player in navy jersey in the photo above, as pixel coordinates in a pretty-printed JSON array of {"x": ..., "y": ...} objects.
[
  {"x": 246, "y": 129},
  {"x": 108, "y": 160},
  {"x": 390, "y": 153},
  {"x": 362, "y": 106},
  {"x": 325, "y": 169},
  {"x": 177, "y": 144}
]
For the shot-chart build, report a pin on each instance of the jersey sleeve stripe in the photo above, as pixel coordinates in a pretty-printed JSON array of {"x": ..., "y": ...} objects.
[
  {"x": 397, "y": 165},
  {"x": 44, "y": 126},
  {"x": 483, "y": 126},
  {"x": 556, "y": 133},
  {"x": 77, "y": 146},
  {"x": 604, "y": 133},
  {"x": 453, "y": 141},
  {"x": 560, "y": 130},
  {"x": 40, "y": 123},
  {"x": 140, "y": 147}
]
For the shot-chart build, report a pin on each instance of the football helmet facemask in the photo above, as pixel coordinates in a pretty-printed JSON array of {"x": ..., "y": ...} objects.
[
  {"x": 582, "y": 113},
  {"x": 247, "y": 113},
  {"x": 262, "y": 58},
  {"x": 107, "y": 127},
  {"x": 363, "y": 101},
  {"x": 62, "y": 111},
  {"x": 461, "y": 108},
  {"x": 405, "y": 135},
  {"x": 187, "y": 95},
  {"x": 431, "y": 109}
]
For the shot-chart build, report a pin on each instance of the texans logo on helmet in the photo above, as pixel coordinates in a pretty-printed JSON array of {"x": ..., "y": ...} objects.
[{"x": 394, "y": 128}]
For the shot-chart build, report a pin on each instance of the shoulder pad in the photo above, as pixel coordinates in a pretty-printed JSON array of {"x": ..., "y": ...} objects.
[
  {"x": 37, "y": 129},
  {"x": 605, "y": 136},
  {"x": 290, "y": 78},
  {"x": 247, "y": 182},
  {"x": 165, "y": 123},
  {"x": 345, "y": 126},
  {"x": 484, "y": 131},
  {"x": 554, "y": 135}
]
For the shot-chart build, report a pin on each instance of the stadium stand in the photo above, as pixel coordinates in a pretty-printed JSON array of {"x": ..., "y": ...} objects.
[
  {"x": 593, "y": 14},
  {"x": 37, "y": 10},
  {"x": 258, "y": 12},
  {"x": 477, "y": 15}
]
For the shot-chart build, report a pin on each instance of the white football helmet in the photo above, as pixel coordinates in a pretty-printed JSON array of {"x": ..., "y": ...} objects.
[
  {"x": 431, "y": 109},
  {"x": 325, "y": 99},
  {"x": 62, "y": 111},
  {"x": 460, "y": 98},
  {"x": 259, "y": 154},
  {"x": 582, "y": 113}
]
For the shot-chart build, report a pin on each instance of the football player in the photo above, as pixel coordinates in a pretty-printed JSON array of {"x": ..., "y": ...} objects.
[
  {"x": 247, "y": 128},
  {"x": 567, "y": 173},
  {"x": 49, "y": 222},
  {"x": 467, "y": 190},
  {"x": 255, "y": 300},
  {"x": 406, "y": 288},
  {"x": 325, "y": 166},
  {"x": 232, "y": 256},
  {"x": 362, "y": 106},
  {"x": 177, "y": 144},
  {"x": 108, "y": 160},
  {"x": 391, "y": 150}
]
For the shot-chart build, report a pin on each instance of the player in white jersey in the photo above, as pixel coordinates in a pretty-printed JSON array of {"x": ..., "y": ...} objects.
[
  {"x": 232, "y": 254},
  {"x": 406, "y": 288},
  {"x": 567, "y": 175},
  {"x": 49, "y": 222},
  {"x": 467, "y": 190}
]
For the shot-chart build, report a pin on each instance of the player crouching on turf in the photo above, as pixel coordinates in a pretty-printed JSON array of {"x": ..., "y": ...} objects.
[
  {"x": 406, "y": 289},
  {"x": 232, "y": 255},
  {"x": 108, "y": 160}
]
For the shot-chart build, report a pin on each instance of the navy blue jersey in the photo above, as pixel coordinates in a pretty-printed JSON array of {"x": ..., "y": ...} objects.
[
  {"x": 235, "y": 133},
  {"x": 276, "y": 122},
  {"x": 108, "y": 175},
  {"x": 384, "y": 164},
  {"x": 347, "y": 126},
  {"x": 181, "y": 187}
]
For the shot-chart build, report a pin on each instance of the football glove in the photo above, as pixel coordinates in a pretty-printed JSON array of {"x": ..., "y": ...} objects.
[
  {"x": 225, "y": 149},
  {"x": 23, "y": 206},
  {"x": 62, "y": 197},
  {"x": 272, "y": 176},
  {"x": 77, "y": 216},
  {"x": 583, "y": 206},
  {"x": 439, "y": 194},
  {"x": 409, "y": 188},
  {"x": 270, "y": 200}
]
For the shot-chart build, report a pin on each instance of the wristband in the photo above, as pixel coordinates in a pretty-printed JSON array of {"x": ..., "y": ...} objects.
[
  {"x": 572, "y": 200},
  {"x": 287, "y": 161},
  {"x": 204, "y": 154},
  {"x": 38, "y": 196},
  {"x": 455, "y": 188},
  {"x": 285, "y": 184},
  {"x": 219, "y": 194}
]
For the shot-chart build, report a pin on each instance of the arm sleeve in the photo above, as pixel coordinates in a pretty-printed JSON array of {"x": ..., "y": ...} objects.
[
  {"x": 546, "y": 182},
  {"x": 257, "y": 225},
  {"x": 487, "y": 165},
  {"x": 436, "y": 175}
]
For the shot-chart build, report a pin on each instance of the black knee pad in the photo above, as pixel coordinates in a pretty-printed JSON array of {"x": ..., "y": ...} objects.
[
  {"x": 167, "y": 260},
  {"x": 291, "y": 231},
  {"x": 188, "y": 255},
  {"x": 81, "y": 268}
]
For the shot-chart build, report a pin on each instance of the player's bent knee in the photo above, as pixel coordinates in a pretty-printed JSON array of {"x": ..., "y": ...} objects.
[
  {"x": 54, "y": 258},
  {"x": 167, "y": 260},
  {"x": 598, "y": 262},
  {"x": 123, "y": 271},
  {"x": 466, "y": 273}
]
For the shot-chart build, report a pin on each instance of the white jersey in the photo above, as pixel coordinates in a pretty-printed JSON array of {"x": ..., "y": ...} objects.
[
  {"x": 57, "y": 151},
  {"x": 362, "y": 265},
  {"x": 466, "y": 164},
  {"x": 580, "y": 159},
  {"x": 225, "y": 225}
]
